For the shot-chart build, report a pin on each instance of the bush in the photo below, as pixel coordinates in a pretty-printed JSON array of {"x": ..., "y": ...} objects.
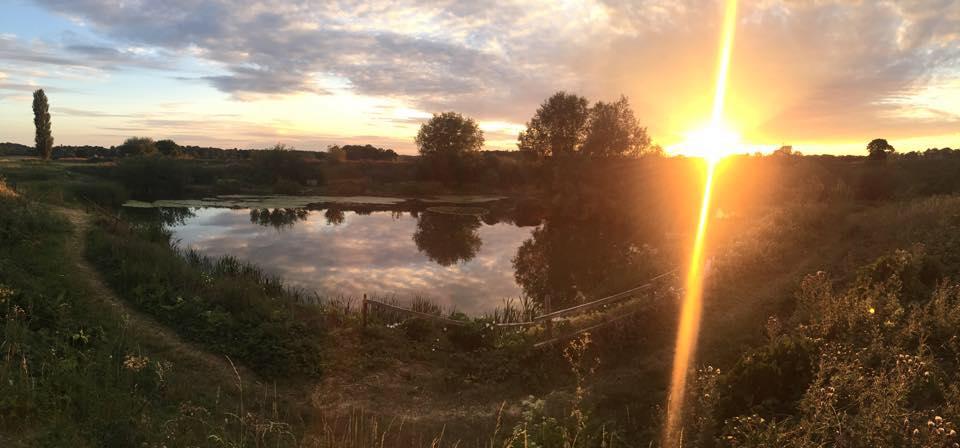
[
  {"x": 152, "y": 178},
  {"x": 477, "y": 334},
  {"x": 270, "y": 165},
  {"x": 286, "y": 186},
  {"x": 104, "y": 193},
  {"x": 768, "y": 381},
  {"x": 138, "y": 146}
]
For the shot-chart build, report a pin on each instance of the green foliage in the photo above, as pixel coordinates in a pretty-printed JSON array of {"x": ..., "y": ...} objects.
[
  {"x": 286, "y": 186},
  {"x": 269, "y": 166},
  {"x": 138, "y": 146},
  {"x": 152, "y": 178},
  {"x": 230, "y": 306},
  {"x": 476, "y": 334},
  {"x": 612, "y": 130},
  {"x": 104, "y": 193},
  {"x": 565, "y": 125},
  {"x": 41, "y": 121},
  {"x": 169, "y": 148},
  {"x": 62, "y": 382},
  {"x": 449, "y": 133},
  {"x": 873, "y": 364},
  {"x": 768, "y": 381},
  {"x": 558, "y": 127}
]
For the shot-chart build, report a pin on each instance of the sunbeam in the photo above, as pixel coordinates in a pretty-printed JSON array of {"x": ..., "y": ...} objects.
[{"x": 689, "y": 327}]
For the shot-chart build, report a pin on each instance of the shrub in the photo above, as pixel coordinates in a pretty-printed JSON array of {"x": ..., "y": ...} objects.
[
  {"x": 138, "y": 146},
  {"x": 152, "y": 178},
  {"x": 769, "y": 381},
  {"x": 286, "y": 186},
  {"x": 105, "y": 193},
  {"x": 270, "y": 165}
]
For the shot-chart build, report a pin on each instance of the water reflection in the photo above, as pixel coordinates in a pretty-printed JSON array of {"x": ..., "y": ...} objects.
[
  {"x": 334, "y": 216},
  {"x": 470, "y": 262},
  {"x": 448, "y": 239},
  {"x": 342, "y": 252},
  {"x": 567, "y": 261},
  {"x": 278, "y": 218}
]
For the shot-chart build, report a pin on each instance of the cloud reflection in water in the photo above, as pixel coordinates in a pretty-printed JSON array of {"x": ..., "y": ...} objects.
[{"x": 373, "y": 254}]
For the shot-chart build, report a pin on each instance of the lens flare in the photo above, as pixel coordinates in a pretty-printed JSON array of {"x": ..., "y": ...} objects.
[{"x": 717, "y": 137}]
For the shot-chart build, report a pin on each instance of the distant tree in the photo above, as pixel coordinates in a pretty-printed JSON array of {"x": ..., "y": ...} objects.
[
  {"x": 169, "y": 148},
  {"x": 138, "y": 146},
  {"x": 336, "y": 153},
  {"x": 368, "y": 152},
  {"x": 879, "y": 149},
  {"x": 785, "y": 150},
  {"x": 612, "y": 130},
  {"x": 41, "y": 120},
  {"x": 449, "y": 133},
  {"x": 558, "y": 127}
]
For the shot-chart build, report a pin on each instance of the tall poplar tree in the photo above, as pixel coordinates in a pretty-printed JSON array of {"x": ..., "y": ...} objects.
[{"x": 41, "y": 120}]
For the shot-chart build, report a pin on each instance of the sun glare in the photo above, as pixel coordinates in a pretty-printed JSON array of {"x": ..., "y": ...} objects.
[{"x": 713, "y": 143}]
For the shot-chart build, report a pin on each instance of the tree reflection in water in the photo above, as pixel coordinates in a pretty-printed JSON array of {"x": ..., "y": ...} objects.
[
  {"x": 278, "y": 218},
  {"x": 448, "y": 239},
  {"x": 570, "y": 260},
  {"x": 334, "y": 216}
]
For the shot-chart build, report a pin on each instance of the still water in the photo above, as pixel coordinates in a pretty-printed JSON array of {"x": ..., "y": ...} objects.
[{"x": 458, "y": 261}]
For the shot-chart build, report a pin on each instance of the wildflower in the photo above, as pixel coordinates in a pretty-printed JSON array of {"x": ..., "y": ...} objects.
[
  {"x": 938, "y": 419},
  {"x": 135, "y": 363},
  {"x": 871, "y": 310}
]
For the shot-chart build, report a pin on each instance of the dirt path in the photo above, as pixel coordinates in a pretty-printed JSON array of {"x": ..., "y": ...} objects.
[{"x": 170, "y": 344}]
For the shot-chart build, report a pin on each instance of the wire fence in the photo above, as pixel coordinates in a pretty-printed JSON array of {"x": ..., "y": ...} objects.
[{"x": 546, "y": 319}]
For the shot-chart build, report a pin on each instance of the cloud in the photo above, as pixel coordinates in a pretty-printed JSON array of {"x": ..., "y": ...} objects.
[{"x": 801, "y": 69}]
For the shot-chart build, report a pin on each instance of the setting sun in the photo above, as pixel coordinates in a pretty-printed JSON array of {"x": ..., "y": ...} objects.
[{"x": 712, "y": 142}]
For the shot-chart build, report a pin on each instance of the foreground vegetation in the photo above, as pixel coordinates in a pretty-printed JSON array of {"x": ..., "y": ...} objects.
[
  {"x": 230, "y": 306},
  {"x": 74, "y": 373}
]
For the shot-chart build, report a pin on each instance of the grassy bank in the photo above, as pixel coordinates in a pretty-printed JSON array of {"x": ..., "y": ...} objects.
[
  {"x": 74, "y": 373},
  {"x": 228, "y": 306}
]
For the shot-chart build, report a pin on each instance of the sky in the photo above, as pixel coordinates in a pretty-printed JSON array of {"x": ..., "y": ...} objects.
[{"x": 825, "y": 76}]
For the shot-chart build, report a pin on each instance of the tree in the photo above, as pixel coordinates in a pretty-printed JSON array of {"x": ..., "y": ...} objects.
[
  {"x": 558, "y": 127},
  {"x": 41, "y": 120},
  {"x": 169, "y": 148},
  {"x": 879, "y": 149},
  {"x": 449, "y": 133},
  {"x": 138, "y": 146},
  {"x": 612, "y": 130}
]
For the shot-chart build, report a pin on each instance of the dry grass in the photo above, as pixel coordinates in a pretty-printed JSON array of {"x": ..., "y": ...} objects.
[{"x": 5, "y": 190}]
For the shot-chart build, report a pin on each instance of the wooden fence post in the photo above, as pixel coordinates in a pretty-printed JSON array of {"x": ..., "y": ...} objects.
[
  {"x": 548, "y": 308},
  {"x": 363, "y": 311}
]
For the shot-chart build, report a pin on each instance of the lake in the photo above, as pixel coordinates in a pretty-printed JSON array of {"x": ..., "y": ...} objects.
[{"x": 459, "y": 261}]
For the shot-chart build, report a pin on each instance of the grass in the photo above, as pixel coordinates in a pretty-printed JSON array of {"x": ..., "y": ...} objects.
[
  {"x": 73, "y": 373},
  {"x": 229, "y": 306}
]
